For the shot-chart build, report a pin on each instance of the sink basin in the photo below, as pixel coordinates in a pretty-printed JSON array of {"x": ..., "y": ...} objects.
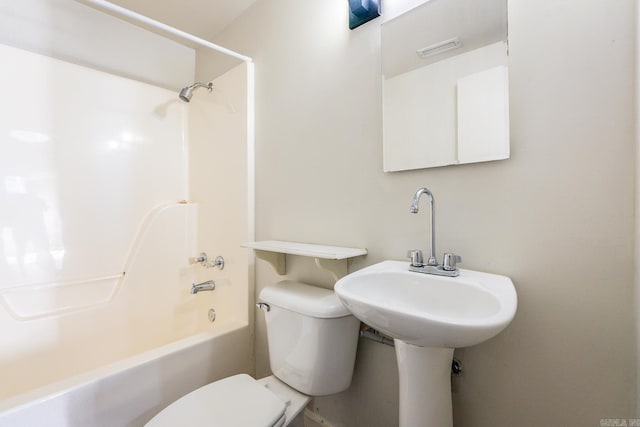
[
  {"x": 429, "y": 310},
  {"x": 428, "y": 316}
]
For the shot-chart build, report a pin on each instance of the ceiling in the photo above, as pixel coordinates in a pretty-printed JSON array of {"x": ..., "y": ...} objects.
[
  {"x": 475, "y": 23},
  {"x": 203, "y": 18}
]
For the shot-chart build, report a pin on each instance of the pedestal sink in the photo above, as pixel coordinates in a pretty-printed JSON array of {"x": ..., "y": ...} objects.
[{"x": 428, "y": 316}]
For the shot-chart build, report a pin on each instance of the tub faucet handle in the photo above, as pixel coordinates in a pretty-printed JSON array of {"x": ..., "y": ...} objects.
[
  {"x": 218, "y": 262},
  {"x": 201, "y": 259}
]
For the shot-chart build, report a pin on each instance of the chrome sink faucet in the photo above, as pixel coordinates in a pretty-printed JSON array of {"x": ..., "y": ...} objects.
[
  {"x": 448, "y": 268},
  {"x": 432, "y": 225}
]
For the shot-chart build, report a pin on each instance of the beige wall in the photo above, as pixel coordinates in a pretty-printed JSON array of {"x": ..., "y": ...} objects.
[{"x": 557, "y": 217}]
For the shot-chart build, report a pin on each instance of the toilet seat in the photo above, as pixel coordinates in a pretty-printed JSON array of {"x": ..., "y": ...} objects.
[{"x": 239, "y": 400}]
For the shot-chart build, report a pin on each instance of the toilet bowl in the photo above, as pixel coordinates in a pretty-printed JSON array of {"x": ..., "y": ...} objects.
[
  {"x": 238, "y": 400},
  {"x": 312, "y": 341}
]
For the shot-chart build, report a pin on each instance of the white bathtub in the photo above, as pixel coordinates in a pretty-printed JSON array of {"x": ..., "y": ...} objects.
[
  {"x": 116, "y": 358},
  {"x": 132, "y": 391}
]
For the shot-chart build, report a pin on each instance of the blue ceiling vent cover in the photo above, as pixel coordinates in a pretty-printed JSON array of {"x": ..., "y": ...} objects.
[{"x": 361, "y": 11}]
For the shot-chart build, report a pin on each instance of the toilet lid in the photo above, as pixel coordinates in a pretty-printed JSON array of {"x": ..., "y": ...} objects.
[{"x": 234, "y": 401}]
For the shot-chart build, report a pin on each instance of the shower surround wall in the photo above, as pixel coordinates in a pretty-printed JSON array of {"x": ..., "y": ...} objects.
[
  {"x": 107, "y": 186},
  {"x": 79, "y": 197}
]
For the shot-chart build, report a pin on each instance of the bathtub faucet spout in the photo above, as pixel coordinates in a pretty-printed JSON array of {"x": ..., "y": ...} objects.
[{"x": 209, "y": 285}]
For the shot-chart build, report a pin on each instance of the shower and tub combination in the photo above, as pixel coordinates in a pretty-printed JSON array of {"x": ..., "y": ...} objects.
[{"x": 105, "y": 195}]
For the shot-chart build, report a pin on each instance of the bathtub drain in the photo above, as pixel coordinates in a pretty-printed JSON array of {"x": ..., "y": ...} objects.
[{"x": 212, "y": 315}]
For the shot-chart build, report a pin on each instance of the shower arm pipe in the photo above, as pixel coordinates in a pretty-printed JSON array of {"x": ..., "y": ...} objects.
[
  {"x": 119, "y": 10},
  {"x": 208, "y": 86}
]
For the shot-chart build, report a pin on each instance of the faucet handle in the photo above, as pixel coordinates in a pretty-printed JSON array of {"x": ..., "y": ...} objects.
[
  {"x": 450, "y": 260},
  {"x": 416, "y": 257},
  {"x": 201, "y": 259}
]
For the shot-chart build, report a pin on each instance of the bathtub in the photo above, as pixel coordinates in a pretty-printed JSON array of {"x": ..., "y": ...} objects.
[
  {"x": 131, "y": 391},
  {"x": 115, "y": 351}
]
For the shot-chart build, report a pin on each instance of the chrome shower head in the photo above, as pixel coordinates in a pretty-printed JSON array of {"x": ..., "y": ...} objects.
[{"x": 187, "y": 92}]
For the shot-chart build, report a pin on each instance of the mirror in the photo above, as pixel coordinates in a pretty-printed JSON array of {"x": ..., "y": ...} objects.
[{"x": 445, "y": 85}]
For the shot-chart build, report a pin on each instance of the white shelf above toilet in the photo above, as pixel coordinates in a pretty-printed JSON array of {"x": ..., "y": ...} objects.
[{"x": 331, "y": 258}]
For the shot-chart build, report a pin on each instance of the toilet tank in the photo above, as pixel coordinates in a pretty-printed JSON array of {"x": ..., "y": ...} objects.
[{"x": 312, "y": 337}]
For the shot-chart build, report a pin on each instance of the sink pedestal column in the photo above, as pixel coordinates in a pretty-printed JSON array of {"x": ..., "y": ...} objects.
[{"x": 425, "y": 385}]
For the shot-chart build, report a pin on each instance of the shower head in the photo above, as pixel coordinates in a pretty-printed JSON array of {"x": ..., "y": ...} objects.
[{"x": 187, "y": 92}]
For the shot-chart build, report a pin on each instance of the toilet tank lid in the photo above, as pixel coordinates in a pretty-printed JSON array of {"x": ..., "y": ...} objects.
[{"x": 304, "y": 299}]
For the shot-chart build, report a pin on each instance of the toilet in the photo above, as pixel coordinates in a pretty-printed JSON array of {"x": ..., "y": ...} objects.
[{"x": 312, "y": 341}]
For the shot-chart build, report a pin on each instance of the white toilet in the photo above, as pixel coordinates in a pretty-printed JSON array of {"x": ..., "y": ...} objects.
[{"x": 312, "y": 341}]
